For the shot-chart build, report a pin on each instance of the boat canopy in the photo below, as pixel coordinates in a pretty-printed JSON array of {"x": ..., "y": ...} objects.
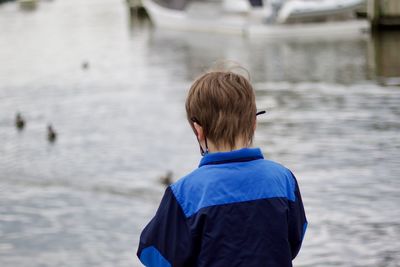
[
  {"x": 181, "y": 4},
  {"x": 256, "y": 3}
]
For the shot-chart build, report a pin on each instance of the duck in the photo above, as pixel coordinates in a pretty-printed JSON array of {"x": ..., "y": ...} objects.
[
  {"x": 85, "y": 65},
  {"x": 166, "y": 179},
  {"x": 51, "y": 134},
  {"x": 19, "y": 121}
]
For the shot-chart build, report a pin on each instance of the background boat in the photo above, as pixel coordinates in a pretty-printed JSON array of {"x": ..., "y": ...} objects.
[{"x": 211, "y": 17}]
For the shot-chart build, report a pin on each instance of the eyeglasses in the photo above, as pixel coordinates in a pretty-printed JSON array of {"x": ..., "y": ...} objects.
[
  {"x": 202, "y": 152},
  {"x": 261, "y": 112}
]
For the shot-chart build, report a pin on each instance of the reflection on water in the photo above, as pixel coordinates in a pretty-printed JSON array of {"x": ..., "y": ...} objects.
[
  {"x": 334, "y": 61},
  {"x": 121, "y": 125}
]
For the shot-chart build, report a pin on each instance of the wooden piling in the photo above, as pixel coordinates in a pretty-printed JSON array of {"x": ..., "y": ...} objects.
[
  {"x": 384, "y": 58},
  {"x": 384, "y": 13}
]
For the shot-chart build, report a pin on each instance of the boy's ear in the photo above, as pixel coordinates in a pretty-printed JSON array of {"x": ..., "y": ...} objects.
[{"x": 199, "y": 131}]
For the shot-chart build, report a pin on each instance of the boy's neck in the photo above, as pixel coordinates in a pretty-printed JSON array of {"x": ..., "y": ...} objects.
[{"x": 212, "y": 148}]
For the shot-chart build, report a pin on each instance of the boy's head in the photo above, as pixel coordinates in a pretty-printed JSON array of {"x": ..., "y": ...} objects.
[{"x": 223, "y": 104}]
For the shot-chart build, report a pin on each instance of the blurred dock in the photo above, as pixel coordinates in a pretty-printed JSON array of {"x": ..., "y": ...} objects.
[{"x": 384, "y": 13}]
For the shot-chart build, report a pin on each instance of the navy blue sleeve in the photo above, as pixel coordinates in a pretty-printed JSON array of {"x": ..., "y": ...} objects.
[
  {"x": 297, "y": 222},
  {"x": 166, "y": 240}
]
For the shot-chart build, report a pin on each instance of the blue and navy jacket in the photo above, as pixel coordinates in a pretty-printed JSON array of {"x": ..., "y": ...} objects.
[{"x": 236, "y": 209}]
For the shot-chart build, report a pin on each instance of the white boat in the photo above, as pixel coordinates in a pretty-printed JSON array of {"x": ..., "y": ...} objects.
[{"x": 242, "y": 18}]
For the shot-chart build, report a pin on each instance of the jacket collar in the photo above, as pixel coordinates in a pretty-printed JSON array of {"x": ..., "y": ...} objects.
[{"x": 240, "y": 155}]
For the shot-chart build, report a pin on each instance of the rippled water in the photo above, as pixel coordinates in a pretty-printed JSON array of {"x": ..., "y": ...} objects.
[{"x": 84, "y": 200}]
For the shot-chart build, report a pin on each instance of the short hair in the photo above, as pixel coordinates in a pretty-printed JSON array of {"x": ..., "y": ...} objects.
[{"x": 223, "y": 103}]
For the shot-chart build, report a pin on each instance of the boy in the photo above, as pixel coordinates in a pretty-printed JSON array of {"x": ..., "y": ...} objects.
[{"x": 236, "y": 208}]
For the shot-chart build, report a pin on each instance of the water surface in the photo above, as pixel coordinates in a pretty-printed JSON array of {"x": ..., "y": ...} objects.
[{"x": 121, "y": 125}]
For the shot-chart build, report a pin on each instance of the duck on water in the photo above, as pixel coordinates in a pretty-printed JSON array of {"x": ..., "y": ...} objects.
[
  {"x": 19, "y": 122},
  {"x": 51, "y": 134}
]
